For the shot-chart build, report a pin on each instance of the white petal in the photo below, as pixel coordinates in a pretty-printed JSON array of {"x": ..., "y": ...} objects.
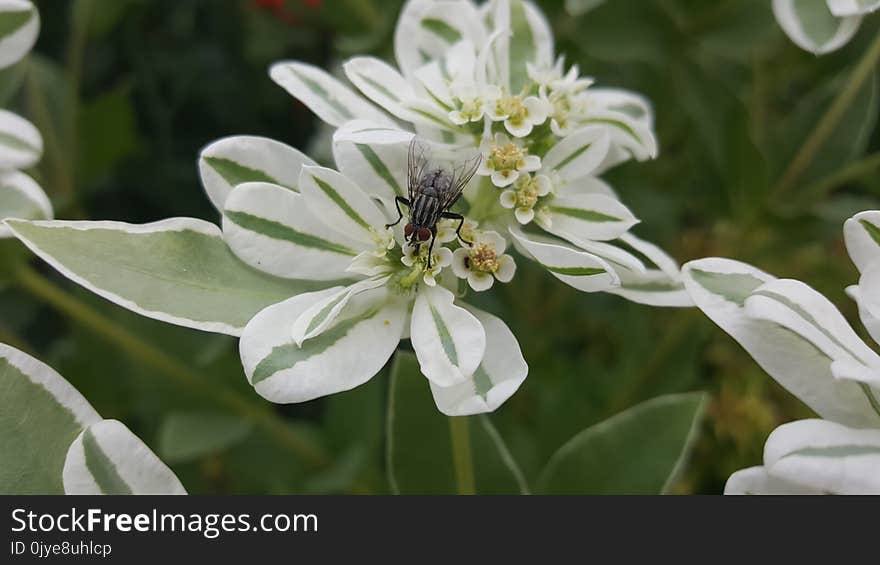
[
  {"x": 871, "y": 322},
  {"x": 21, "y": 145},
  {"x": 852, "y": 7},
  {"x": 869, "y": 285},
  {"x": 826, "y": 456},
  {"x": 459, "y": 260},
  {"x": 499, "y": 375},
  {"x": 756, "y": 481},
  {"x": 269, "y": 228},
  {"x": 506, "y": 268},
  {"x": 589, "y": 217},
  {"x": 587, "y": 185},
  {"x": 631, "y": 137},
  {"x": 505, "y": 178},
  {"x": 375, "y": 157},
  {"x": 862, "y": 236},
  {"x": 518, "y": 130},
  {"x": 720, "y": 288},
  {"x": 428, "y": 28},
  {"x": 22, "y": 27},
  {"x": 812, "y": 26},
  {"x": 532, "y": 163},
  {"x": 231, "y": 161},
  {"x": 343, "y": 357},
  {"x": 581, "y": 270},
  {"x": 107, "y": 458},
  {"x": 508, "y": 199},
  {"x": 655, "y": 254},
  {"x": 442, "y": 257},
  {"x": 579, "y": 154},
  {"x": 321, "y": 315},
  {"x": 381, "y": 83},
  {"x": 458, "y": 118},
  {"x": 537, "y": 109},
  {"x": 619, "y": 100},
  {"x": 341, "y": 204},
  {"x": 480, "y": 281},
  {"x": 324, "y": 95},
  {"x": 524, "y": 215},
  {"x": 794, "y": 305},
  {"x": 21, "y": 197},
  {"x": 448, "y": 340}
]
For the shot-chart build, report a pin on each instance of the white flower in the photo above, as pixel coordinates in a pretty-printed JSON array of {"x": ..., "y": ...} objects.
[
  {"x": 430, "y": 270},
  {"x": 21, "y": 145},
  {"x": 493, "y": 84},
  {"x": 484, "y": 261},
  {"x": 803, "y": 341},
  {"x": 504, "y": 160},
  {"x": 840, "y": 22},
  {"x": 525, "y": 194},
  {"x": 334, "y": 339},
  {"x": 471, "y": 103},
  {"x": 520, "y": 115}
]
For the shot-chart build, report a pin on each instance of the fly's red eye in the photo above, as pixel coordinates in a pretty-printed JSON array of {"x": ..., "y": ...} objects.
[
  {"x": 424, "y": 234},
  {"x": 408, "y": 229}
]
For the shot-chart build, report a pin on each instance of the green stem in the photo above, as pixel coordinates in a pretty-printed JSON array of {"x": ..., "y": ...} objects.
[
  {"x": 58, "y": 298},
  {"x": 829, "y": 121},
  {"x": 849, "y": 173},
  {"x": 39, "y": 109},
  {"x": 461, "y": 455}
]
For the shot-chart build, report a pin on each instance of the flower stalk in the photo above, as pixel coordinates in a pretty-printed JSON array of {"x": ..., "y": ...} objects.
[
  {"x": 461, "y": 455},
  {"x": 820, "y": 134}
]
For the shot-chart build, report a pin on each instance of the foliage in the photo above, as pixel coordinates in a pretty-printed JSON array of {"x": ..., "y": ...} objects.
[{"x": 126, "y": 99}]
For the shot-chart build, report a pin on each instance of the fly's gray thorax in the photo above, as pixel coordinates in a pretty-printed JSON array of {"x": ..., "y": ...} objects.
[{"x": 435, "y": 183}]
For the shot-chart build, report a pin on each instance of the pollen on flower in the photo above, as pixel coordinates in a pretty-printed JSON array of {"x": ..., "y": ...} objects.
[
  {"x": 512, "y": 107},
  {"x": 527, "y": 191},
  {"x": 507, "y": 157},
  {"x": 482, "y": 258}
]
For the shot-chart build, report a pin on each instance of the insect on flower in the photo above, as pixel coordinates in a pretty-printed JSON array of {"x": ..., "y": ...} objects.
[{"x": 432, "y": 190}]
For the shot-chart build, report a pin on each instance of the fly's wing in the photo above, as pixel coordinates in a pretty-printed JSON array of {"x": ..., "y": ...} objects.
[
  {"x": 417, "y": 163},
  {"x": 461, "y": 175}
]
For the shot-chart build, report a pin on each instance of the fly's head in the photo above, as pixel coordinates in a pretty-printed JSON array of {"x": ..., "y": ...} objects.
[{"x": 416, "y": 235}]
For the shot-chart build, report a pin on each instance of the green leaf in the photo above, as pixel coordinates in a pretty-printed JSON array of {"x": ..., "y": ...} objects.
[
  {"x": 179, "y": 270},
  {"x": 419, "y": 448},
  {"x": 184, "y": 436},
  {"x": 848, "y": 140},
  {"x": 638, "y": 451},
  {"x": 99, "y": 18},
  {"x": 41, "y": 416}
]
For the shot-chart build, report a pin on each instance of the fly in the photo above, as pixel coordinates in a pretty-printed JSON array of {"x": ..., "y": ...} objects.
[{"x": 432, "y": 191}]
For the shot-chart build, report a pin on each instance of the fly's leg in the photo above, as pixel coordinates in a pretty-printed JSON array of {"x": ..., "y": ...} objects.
[
  {"x": 431, "y": 247},
  {"x": 397, "y": 202},
  {"x": 460, "y": 218}
]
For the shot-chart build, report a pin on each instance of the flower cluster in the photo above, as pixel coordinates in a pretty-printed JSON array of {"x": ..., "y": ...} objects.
[
  {"x": 378, "y": 290},
  {"x": 822, "y": 26},
  {"x": 803, "y": 341},
  {"x": 484, "y": 79},
  {"x": 21, "y": 145},
  {"x": 472, "y": 82}
]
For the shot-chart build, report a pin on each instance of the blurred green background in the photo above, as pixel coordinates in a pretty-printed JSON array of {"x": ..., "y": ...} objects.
[{"x": 126, "y": 93}]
